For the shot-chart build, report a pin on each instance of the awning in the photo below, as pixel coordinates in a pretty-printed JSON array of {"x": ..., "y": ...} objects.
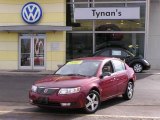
[{"x": 34, "y": 28}]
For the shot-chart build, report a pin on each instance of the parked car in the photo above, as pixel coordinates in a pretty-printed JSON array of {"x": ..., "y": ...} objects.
[
  {"x": 138, "y": 63},
  {"x": 84, "y": 83}
]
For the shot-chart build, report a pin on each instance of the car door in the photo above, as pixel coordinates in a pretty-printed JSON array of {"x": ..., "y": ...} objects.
[
  {"x": 120, "y": 75},
  {"x": 108, "y": 83}
]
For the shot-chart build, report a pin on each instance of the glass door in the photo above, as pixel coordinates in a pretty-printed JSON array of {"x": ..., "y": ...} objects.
[
  {"x": 32, "y": 52},
  {"x": 25, "y": 53},
  {"x": 39, "y": 56}
]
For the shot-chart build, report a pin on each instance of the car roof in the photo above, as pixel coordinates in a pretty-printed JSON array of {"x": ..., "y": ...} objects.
[
  {"x": 114, "y": 47},
  {"x": 96, "y": 58}
]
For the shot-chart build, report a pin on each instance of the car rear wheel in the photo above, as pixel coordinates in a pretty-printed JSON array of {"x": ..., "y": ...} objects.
[
  {"x": 129, "y": 91},
  {"x": 92, "y": 102},
  {"x": 138, "y": 67}
]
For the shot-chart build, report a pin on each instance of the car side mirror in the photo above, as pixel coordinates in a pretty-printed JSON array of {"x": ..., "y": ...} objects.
[{"x": 105, "y": 74}]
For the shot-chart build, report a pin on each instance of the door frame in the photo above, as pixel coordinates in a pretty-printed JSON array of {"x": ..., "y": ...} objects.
[{"x": 31, "y": 37}]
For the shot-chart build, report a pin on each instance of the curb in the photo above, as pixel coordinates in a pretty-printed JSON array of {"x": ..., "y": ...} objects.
[{"x": 7, "y": 73}]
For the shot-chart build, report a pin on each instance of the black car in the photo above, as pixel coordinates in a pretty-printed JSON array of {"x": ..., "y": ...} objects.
[{"x": 136, "y": 62}]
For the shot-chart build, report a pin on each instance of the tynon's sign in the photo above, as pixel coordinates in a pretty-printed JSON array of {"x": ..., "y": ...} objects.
[{"x": 107, "y": 13}]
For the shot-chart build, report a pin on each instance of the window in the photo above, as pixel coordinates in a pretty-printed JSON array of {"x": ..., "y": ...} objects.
[
  {"x": 105, "y": 53},
  {"x": 107, "y": 67},
  {"x": 119, "y": 53},
  {"x": 79, "y": 45},
  {"x": 133, "y": 42},
  {"x": 82, "y": 67},
  {"x": 118, "y": 65},
  {"x": 125, "y": 33}
]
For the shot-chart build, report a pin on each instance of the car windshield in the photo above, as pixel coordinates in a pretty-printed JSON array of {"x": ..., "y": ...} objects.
[{"x": 79, "y": 67}]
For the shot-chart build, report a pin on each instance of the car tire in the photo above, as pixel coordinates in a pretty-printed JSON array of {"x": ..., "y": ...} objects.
[
  {"x": 137, "y": 67},
  {"x": 129, "y": 91},
  {"x": 92, "y": 102}
]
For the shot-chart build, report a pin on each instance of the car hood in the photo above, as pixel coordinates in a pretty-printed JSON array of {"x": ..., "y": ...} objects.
[
  {"x": 138, "y": 57},
  {"x": 63, "y": 81}
]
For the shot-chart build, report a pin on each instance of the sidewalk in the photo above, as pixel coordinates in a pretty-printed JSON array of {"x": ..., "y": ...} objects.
[
  {"x": 48, "y": 72},
  {"x": 154, "y": 72},
  {"x": 26, "y": 72}
]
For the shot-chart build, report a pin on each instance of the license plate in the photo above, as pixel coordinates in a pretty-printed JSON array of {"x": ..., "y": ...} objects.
[{"x": 43, "y": 100}]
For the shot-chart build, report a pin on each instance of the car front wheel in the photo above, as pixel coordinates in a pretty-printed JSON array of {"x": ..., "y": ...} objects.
[
  {"x": 92, "y": 102},
  {"x": 129, "y": 91},
  {"x": 138, "y": 67}
]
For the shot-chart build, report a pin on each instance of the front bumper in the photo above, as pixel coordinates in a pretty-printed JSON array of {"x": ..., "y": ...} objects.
[
  {"x": 55, "y": 101},
  {"x": 147, "y": 67}
]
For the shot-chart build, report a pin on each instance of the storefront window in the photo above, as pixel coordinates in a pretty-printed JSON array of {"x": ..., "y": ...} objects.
[
  {"x": 79, "y": 45},
  {"x": 100, "y": 33},
  {"x": 78, "y": 25},
  {"x": 119, "y": 25},
  {"x": 82, "y": 25},
  {"x": 122, "y": 25},
  {"x": 134, "y": 42}
]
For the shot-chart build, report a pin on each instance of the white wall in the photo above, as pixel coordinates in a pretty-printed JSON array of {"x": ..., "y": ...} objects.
[{"x": 153, "y": 48}]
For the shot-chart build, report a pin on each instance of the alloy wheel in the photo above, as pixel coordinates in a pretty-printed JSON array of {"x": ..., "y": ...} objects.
[
  {"x": 92, "y": 102},
  {"x": 130, "y": 90},
  {"x": 138, "y": 67}
]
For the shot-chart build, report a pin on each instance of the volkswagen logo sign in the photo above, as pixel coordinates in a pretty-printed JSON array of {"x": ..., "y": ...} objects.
[{"x": 31, "y": 13}]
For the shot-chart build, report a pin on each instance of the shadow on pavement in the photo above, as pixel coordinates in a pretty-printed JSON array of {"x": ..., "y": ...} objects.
[
  {"x": 36, "y": 113},
  {"x": 142, "y": 76},
  {"x": 111, "y": 102}
]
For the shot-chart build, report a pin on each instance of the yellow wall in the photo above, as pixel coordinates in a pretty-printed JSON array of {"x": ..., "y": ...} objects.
[
  {"x": 53, "y": 12},
  {"x": 8, "y": 51},
  {"x": 57, "y": 56}
]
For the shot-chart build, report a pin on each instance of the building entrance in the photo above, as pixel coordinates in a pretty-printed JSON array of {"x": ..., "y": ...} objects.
[{"x": 32, "y": 52}]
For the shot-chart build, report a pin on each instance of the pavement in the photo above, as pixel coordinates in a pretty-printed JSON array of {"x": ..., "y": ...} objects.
[{"x": 48, "y": 72}]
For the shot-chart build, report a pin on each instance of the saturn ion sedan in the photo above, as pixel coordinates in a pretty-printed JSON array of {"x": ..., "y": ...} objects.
[{"x": 84, "y": 83}]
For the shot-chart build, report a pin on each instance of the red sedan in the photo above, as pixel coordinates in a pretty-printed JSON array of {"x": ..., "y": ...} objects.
[{"x": 84, "y": 83}]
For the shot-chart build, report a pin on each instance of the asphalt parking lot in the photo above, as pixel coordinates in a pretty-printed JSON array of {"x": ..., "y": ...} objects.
[{"x": 144, "y": 105}]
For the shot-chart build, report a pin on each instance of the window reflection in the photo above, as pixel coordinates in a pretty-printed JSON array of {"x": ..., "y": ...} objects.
[
  {"x": 126, "y": 33},
  {"x": 79, "y": 45},
  {"x": 134, "y": 42},
  {"x": 38, "y": 52},
  {"x": 25, "y": 52}
]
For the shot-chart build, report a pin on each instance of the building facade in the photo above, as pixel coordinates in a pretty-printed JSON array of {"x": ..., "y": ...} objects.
[
  {"x": 42, "y": 34},
  {"x": 110, "y": 30},
  {"x": 32, "y": 34}
]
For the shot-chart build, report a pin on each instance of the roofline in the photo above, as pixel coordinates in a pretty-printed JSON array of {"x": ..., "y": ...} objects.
[{"x": 34, "y": 28}]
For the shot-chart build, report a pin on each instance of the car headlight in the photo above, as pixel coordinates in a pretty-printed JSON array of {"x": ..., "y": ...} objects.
[
  {"x": 64, "y": 91},
  {"x": 34, "y": 88},
  {"x": 146, "y": 62}
]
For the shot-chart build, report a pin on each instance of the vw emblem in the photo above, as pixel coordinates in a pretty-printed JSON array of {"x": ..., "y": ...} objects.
[
  {"x": 45, "y": 90},
  {"x": 31, "y": 13}
]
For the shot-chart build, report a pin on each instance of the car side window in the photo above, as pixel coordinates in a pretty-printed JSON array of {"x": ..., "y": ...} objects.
[
  {"x": 124, "y": 54},
  {"x": 119, "y": 53},
  {"x": 107, "y": 67},
  {"x": 105, "y": 53},
  {"x": 118, "y": 65}
]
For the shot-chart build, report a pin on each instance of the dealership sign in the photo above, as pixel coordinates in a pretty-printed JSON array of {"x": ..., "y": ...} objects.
[
  {"x": 31, "y": 12},
  {"x": 107, "y": 13}
]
